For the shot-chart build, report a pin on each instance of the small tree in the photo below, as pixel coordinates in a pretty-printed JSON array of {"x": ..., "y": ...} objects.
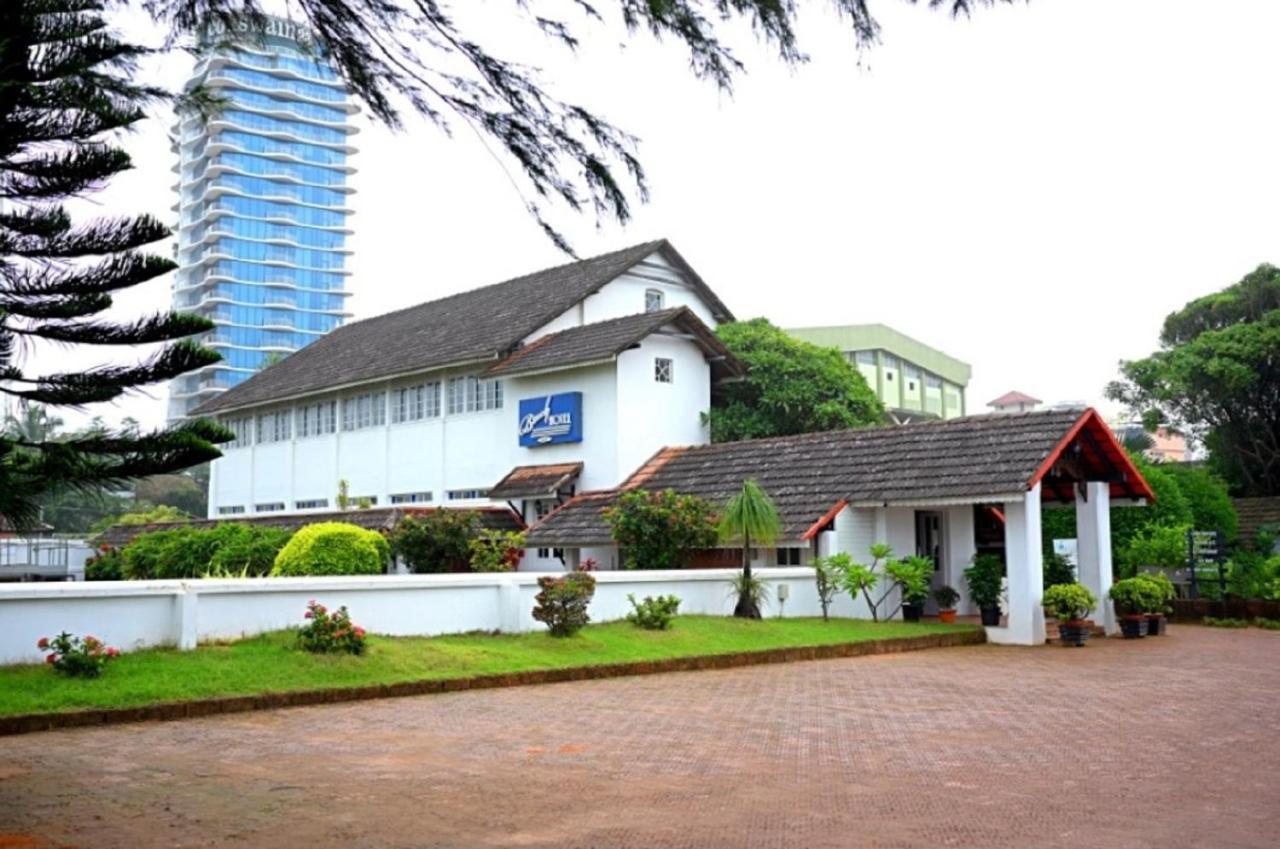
[
  {"x": 828, "y": 573},
  {"x": 749, "y": 515},
  {"x": 497, "y": 551},
  {"x": 659, "y": 530},
  {"x": 439, "y": 541}
]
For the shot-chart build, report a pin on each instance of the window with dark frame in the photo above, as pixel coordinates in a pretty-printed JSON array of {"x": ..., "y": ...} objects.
[{"x": 663, "y": 370}]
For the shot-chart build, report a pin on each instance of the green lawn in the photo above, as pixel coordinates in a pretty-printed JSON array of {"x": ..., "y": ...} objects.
[{"x": 270, "y": 663}]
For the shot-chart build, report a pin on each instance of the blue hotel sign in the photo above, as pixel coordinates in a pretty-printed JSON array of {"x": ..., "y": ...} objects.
[{"x": 551, "y": 419}]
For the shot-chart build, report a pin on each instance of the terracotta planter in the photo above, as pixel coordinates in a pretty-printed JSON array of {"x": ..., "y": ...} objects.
[
  {"x": 1074, "y": 632},
  {"x": 946, "y": 615}
]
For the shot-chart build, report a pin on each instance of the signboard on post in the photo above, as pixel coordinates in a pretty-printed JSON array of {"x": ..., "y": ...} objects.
[
  {"x": 550, "y": 419},
  {"x": 1207, "y": 548}
]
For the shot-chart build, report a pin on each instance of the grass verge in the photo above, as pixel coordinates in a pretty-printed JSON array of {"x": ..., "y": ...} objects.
[{"x": 270, "y": 663}]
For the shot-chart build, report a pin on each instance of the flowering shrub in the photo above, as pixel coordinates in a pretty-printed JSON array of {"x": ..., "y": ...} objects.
[
  {"x": 76, "y": 657},
  {"x": 562, "y": 602},
  {"x": 591, "y": 565},
  {"x": 498, "y": 551},
  {"x": 328, "y": 633},
  {"x": 653, "y": 614},
  {"x": 106, "y": 564}
]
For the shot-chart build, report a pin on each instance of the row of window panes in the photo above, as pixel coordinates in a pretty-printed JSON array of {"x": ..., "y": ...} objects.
[
  {"x": 231, "y": 510},
  {"x": 260, "y": 316},
  {"x": 470, "y": 395},
  {"x": 411, "y": 498},
  {"x": 258, "y": 79},
  {"x": 911, "y": 372},
  {"x": 270, "y": 507},
  {"x": 303, "y": 278},
  {"x": 263, "y": 188},
  {"x": 276, "y": 168},
  {"x": 262, "y": 252},
  {"x": 251, "y": 143},
  {"x": 412, "y": 403},
  {"x": 306, "y": 215},
  {"x": 267, "y": 103},
  {"x": 311, "y": 504},
  {"x": 254, "y": 337},
  {"x": 297, "y": 129},
  {"x": 303, "y": 67},
  {"x": 466, "y": 494},
  {"x": 252, "y": 228},
  {"x": 368, "y": 409}
]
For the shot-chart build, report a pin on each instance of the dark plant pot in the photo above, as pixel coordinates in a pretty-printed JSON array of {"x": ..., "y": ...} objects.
[
  {"x": 1133, "y": 626},
  {"x": 991, "y": 616},
  {"x": 1074, "y": 632},
  {"x": 912, "y": 612},
  {"x": 1155, "y": 624}
]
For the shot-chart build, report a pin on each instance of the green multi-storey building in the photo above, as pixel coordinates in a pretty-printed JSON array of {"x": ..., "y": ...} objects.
[{"x": 910, "y": 377}]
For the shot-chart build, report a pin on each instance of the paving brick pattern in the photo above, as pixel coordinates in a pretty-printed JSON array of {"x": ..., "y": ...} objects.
[{"x": 1167, "y": 742}]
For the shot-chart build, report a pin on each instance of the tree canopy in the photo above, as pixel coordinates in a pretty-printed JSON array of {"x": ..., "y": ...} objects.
[
  {"x": 420, "y": 54},
  {"x": 1217, "y": 377},
  {"x": 66, "y": 89},
  {"x": 791, "y": 387}
]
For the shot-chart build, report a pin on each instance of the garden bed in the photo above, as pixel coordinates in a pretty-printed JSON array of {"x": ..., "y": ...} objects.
[{"x": 267, "y": 671}]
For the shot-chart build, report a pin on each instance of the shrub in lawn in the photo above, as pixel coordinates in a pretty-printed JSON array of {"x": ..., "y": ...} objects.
[
  {"x": 1225, "y": 622},
  {"x": 333, "y": 548},
  {"x": 439, "y": 541},
  {"x": 76, "y": 657},
  {"x": 106, "y": 564},
  {"x": 653, "y": 614},
  {"x": 828, "y": 572},
  {"x": 330, "y": 633},
  {"x": 497, "y": 551},
  {"x": 244, "y": 550},
  {"x": 562, "y": 602}
]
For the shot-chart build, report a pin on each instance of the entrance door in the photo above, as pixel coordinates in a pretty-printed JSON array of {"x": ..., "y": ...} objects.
[{"x": 929, "y": 544}]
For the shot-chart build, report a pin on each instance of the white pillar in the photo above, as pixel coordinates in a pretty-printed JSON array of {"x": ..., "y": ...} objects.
[
  {"x": 186, "y": 617},
  {"x": 509, "y": 613},
  {"x": 961, "y": 546},
  {"x": 1025, "y": 566},
  {"x": 1093, "y": 549}
]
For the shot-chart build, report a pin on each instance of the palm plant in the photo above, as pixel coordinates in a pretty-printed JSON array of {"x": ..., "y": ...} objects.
[{"x": 749, "y": 516}]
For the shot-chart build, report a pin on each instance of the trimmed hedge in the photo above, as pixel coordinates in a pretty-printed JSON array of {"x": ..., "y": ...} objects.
[
  {"x": 333, "y": 548},
  {"x": 226, "y": 550}
]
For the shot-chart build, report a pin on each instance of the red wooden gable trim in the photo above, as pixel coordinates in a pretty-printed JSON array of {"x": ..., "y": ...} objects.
[
  {"x": 1098, "y": 428},
  {"x": 826, "y": 517}
]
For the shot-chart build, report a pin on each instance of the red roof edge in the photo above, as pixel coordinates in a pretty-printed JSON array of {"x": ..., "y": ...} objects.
[
  {"x": 1091, "y": 419},
  {"x": 826, "y": 517}
]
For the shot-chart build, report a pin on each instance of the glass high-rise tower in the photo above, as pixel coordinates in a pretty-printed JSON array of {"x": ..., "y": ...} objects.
[{"x": 263, "y": 202}]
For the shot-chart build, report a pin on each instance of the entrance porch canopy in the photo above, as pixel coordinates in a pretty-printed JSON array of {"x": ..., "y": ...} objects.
[{"x": 1015, "y": 460}]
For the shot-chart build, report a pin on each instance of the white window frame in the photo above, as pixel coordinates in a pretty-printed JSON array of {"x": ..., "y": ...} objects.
[
  {"x": 410, "y": 498},
  {"x": 275, "y": 426},
  {"x": 664, "y": 370},
  {"x": 655, "y": 300},
  {"x": 368, "y": 409}
]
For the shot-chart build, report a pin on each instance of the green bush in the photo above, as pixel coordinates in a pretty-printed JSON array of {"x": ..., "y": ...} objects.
[
  {"x": 653, "y": 614},
  {"x": 107, "y": 564},
  {"x": 561, "y": 602},
  {"x": 1225, "y": 622},
  {"x": 659, "y": 530},
  {"x": 330, "y": 633},
  {"x": 983, "y": 578},
  {"x": 1163, "y": 546},
  {"x": 332, "y": 548},
  {"x": 245, "y": 549},
  {"x": 1269, "y": 624},
  {"x": 439, "y": 541},
  {"x": 1162, "y": 591},
  {"x": 946, "y": 597},
  {"x": 1069, "y": 602},
  {"x": 228, "y": 549},
  {"x": 1137, "y": 595},
  {"x": 497, "y": 551},
  {"x": 1208, "y": 498}
]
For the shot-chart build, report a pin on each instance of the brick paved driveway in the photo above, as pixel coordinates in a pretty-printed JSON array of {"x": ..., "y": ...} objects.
[{"x": 1166, "y": 743}]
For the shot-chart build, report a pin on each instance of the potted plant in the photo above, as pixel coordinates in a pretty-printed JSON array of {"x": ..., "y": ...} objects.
[
  {"x": 946, "y": 597},
  {"x": 1162, "y": 592},
  {"x": 912, "y": 577},
  {"x": 1133, "y": 598},
  {"x": 1071, "y": 603},
  {"x": 983, "y": 578}
]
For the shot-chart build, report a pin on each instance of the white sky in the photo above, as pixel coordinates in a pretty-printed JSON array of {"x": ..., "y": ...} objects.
[{"x": 1031, "y": 190}]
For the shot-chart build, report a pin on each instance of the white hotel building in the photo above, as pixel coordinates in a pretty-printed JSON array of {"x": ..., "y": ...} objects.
[{"x": 521, "y": 394}]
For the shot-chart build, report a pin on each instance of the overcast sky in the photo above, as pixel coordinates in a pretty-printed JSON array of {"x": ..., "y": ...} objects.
[{"x": 1030, "y": 190}]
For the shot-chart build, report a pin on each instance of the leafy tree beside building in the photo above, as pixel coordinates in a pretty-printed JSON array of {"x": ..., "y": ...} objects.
[
  {"x": 791, "y": 387},
  {"x": 1217, "y": 378}
]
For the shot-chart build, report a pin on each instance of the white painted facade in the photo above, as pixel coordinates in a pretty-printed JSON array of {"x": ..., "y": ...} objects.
[{"x": 451, "y": 458}]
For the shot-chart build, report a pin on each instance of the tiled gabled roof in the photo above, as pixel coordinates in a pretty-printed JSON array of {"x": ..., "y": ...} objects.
[
  {"x": 535, "y": 481},
  {"x": 481, "y": 325},
  {"x": 977, "y": 458},
  {"x": 605, "y": 340}
]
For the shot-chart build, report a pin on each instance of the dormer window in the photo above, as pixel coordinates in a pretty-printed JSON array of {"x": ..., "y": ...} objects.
[{"x": 653, "y": 300}]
